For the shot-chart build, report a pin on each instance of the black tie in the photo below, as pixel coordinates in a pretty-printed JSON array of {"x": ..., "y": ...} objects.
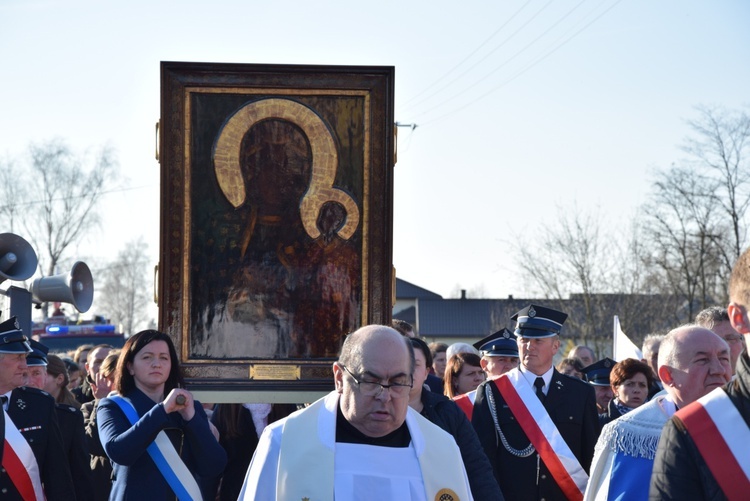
[
  {"x": 4, "y": 400},
  {"x": 539, "y": 384}
]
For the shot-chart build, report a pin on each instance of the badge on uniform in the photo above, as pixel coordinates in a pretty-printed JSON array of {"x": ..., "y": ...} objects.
[{"x": 21, "y": 404}]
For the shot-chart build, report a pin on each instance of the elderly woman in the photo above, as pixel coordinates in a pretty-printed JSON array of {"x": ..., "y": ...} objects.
[
  {"x": 463, "y": 374},
  {"x": 630, "y": 381},
  {"x": 156, "y": 435}
]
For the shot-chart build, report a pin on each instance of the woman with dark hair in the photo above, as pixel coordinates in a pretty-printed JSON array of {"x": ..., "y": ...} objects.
[
  {"x": 630, "y": 381},
  {"x": 463, "y": 374},
  {"x": 445, "y": 413},
  {"x": 155, "y": 434}
]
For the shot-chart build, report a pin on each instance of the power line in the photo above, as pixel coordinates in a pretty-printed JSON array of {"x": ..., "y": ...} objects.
[
  {"x": 62, "y": 199},
  {"x": 468, "y": 57},
  {"x": 504, "y": 63},
  {"x": 521, "y": 72}
]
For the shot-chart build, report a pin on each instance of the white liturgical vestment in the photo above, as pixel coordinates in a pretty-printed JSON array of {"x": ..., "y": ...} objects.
[{"x": 298, "y": 458}]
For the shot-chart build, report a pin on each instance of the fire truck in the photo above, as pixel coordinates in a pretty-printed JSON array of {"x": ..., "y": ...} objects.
[{"x": 61, "y": 334}]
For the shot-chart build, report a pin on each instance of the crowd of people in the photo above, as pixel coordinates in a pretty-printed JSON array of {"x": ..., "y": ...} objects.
[{"x": 406, "y": 420}]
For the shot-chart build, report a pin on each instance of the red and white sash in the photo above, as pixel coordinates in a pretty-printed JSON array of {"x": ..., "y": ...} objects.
[
  {"x": 543, "y": 434},
  {"x": 465, "y": 402},
  {"x": 20, "y": 463},
  {"x": 722, "y": 438}
]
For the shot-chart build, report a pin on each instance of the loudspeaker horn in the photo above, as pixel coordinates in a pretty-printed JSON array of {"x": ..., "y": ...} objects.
[
  {"x": 17, "y": 258},
  {"x": 76, "y": 287}
]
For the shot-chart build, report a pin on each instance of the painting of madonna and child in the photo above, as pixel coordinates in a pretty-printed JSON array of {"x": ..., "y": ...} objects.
[{"x": 288, "y": 212}]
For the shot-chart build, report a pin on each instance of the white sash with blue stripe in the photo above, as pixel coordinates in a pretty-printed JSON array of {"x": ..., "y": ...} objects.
[{"x": 165, "y": 456}]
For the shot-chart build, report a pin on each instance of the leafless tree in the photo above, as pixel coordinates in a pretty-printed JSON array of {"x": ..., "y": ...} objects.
[
  {"x": 685, "y": 230},
  {"x": 572, "y": 258},
  {"x": 720, "y": 149},
  {"x": 593, "y": 268},
  {"x": 12, "y": 190},
  {"x": 64, "y": 191},
  {"x": 125, "y": 291}
]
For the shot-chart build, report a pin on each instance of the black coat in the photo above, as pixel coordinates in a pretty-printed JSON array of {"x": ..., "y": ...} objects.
[
  {"x": 571, "y": 403},
  {"x": 612, "y": 413},
  {"x": 239, "y": 450},
  {"x": 74, "y": 442},
  {"x": 680, "y": 472},
  {"x": 84, "y": 393},
  {"x": 99, "y": 464},
  {"x": 33, "y": 412},
  {"x": 444, "y": 412},
  {"x": 435, "y": 384}
]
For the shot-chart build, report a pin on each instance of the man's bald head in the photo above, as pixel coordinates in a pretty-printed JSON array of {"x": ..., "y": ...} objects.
[
  {"x": 373, "y": 376},
  {"x": 357, "y": 343},
  {"x": 693, "y": 361}
]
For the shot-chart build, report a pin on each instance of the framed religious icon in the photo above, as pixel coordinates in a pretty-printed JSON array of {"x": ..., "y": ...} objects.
[{"x": 276, "y": 219}]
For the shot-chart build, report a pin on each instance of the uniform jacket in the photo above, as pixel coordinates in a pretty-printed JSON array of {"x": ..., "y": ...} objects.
[
  {"x": 571, "y": 404},
  {"x": 74, "y": 443},
  {"x": 443, "y": 412},
  {"x": 135, "y": 476},
  {"x": 679, "y": 469},
  {"x": 33, "y": 412}
]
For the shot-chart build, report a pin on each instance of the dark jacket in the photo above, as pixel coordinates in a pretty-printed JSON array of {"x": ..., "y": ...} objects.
[
  {"x": 74, "y": 442},
  {"x": 99, "y": 464},
  {"x": 680, "y": 472},
  {"x": 33, "y": 413},
  {"x": 135, "y": 475},
  {"x": 443, "y": 412},
  {"x": 84, "y": 393},
  {"x": 612, "y": 413},
  {"x": 571, "y": 404},
  {"x": 435, "y": 384},
  {"x": 239, "y": 450}
]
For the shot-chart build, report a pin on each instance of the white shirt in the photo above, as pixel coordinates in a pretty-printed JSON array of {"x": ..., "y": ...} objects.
[{"x": 531, "y": 377}]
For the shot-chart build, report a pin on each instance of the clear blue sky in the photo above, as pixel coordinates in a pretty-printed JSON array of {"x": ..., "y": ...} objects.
[{"x": 521, "y": 106}]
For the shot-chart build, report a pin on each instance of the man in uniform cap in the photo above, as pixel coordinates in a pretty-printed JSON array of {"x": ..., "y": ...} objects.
[
  {"x": 33, "y": 453},
  {"x": 597, "y": 374},
  {"x": 70, "y": 420},
  {"x": 538, "y": 427},
  {"x": 499, "y": 352},
  {"x": 36, "y": 361}
]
